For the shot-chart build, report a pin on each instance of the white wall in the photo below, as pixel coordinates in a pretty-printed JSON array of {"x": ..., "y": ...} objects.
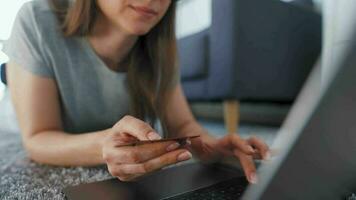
[
  {"x": 8, "y": 10},
  {"x": 193, "y": 16},
  {"x": 3, "y": 58}
]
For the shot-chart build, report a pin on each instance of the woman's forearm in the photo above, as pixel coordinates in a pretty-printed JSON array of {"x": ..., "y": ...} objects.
[{"x": 64, "y": 149}]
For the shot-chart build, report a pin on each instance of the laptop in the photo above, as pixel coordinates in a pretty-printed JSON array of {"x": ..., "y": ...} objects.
[{"x": 189, "y": 181}]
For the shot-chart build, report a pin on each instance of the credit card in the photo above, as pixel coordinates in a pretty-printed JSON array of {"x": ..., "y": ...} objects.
[{"x": 180, "y": 140}]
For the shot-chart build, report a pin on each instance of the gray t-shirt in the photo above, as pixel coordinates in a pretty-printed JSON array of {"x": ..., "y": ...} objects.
[{"x": 92, "y": 96}]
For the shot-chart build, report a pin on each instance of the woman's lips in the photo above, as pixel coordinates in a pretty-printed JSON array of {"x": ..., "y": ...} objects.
[{"x": 145, "y": 11}]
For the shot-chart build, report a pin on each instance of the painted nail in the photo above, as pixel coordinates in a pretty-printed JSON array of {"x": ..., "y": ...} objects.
[
  {"x": 173, "y": 146},
  {"x": 154, "y": 136},
  {"x": 253, "y": 178},
  {"x": 184, "y": 156},
  {"x": 188, "y": 142},
  {"x": 250, "y": 149}
]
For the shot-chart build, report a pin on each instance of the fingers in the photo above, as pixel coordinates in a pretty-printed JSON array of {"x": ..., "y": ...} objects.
[
  {"x": 126, "y": 172},
  {"x": 247, "y": 146},
  {"x": 240, "y": 143},
  {"x": 123, "y": 138},
  {"x": 248, "y": 166},
  {"x": 262, "y": 147},
  {"x": 136, "y": 128},
  {"x": 118, "y": 171},
  {"x": 167, "y": 159},
  {"x": 157, "y": 163},
  {"x": 142, "y": 153}
]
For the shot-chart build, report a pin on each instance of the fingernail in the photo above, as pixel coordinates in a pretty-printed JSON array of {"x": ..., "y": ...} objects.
[
  {"x": 188, "y": 142},
  {"x": 154, "y": 136},
  {"x": 173, "y": 146},
  {"x": 250, "y": 149},
  {"x": 253, "y": 178},
  {"x": 184, "y": 156},
  {"x": 268, "y": 155}
]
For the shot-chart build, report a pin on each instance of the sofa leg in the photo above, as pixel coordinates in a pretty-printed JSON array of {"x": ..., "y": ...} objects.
[{"x": 231, "y": 115}]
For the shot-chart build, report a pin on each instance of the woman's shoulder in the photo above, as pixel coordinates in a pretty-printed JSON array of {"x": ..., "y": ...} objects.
[
  {"x": 40, "y": 17},
  {"x": 38, "y": 5},
  {"x": 37, "y": 34},
  {"x": 46, "y": 27},
  {"x": 36, "y": 9}
]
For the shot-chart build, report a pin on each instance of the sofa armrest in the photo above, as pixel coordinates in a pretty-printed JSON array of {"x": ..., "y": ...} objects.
[
  {"x": 222, "y": 52},
  {"x": 192, "y": 51}
]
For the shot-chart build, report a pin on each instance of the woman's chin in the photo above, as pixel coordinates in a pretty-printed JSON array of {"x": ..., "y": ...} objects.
[{"x": 139, "y": 30}]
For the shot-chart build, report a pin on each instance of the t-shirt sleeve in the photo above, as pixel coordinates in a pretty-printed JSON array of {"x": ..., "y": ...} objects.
[{"x": 25, "y": 46}]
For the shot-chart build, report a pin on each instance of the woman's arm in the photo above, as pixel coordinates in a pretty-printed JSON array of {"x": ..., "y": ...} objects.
[
  {"x": 181, "y": 122},
  {"x": 180, "y": 119},
  {"x": 36, "y": 103}
]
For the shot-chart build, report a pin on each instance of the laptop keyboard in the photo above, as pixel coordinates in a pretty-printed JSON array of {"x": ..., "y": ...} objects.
[{"x": 226, "y": 190}]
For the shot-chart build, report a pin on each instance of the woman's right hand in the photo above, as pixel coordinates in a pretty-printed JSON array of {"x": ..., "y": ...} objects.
[{"x": 130, "y": 162}]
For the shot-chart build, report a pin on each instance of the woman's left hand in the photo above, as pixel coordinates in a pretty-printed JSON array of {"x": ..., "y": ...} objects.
[{"x": 243, "y": 149}]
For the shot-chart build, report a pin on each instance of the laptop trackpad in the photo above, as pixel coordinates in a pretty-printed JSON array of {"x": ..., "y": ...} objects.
[{"x": 159, "y": 185}]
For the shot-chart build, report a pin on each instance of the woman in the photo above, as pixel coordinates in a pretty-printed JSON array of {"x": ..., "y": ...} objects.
[{"x": 86, "y": 76}]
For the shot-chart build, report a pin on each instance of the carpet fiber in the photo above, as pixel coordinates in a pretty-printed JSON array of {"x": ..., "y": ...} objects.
[{"x": 21, "y": 178}]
